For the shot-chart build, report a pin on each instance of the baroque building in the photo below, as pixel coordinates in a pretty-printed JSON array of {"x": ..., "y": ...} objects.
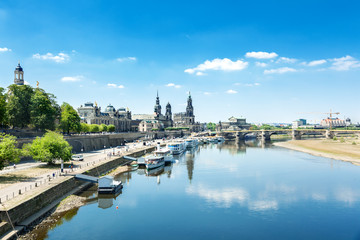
[
  {"x": 120, "y": 118},
  {"x": 19, "y": 75},
  {"x": 187, "y": 119},
  {"x": 157, "y": 120}
]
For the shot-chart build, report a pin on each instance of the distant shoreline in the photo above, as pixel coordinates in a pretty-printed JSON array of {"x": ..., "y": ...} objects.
[{"x": 325, "y": 148}]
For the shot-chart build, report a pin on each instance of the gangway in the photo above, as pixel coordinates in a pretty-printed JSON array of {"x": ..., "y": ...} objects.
[
  {"x": 86, "y": 178},
  {"x": 130, "y": 158}
]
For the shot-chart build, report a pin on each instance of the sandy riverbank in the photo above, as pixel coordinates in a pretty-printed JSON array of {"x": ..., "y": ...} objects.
[{"x": 345, "y": 149}]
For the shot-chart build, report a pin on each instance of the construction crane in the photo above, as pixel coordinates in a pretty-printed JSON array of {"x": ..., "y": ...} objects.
[{"x": 329, "y": 113}]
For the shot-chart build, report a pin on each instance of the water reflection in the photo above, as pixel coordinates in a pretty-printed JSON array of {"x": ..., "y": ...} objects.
[
  {"x": 106, "y": 200},
  {"x": 233, "y": 190}
]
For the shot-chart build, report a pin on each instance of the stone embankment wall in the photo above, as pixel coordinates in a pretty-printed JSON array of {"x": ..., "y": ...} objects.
[
  {"x": 98, "y": 141},
  {"x": 31, "y": 206}
]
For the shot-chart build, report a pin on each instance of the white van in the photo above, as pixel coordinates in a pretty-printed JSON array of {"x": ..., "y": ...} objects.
[{"x": 78, "y": 157}]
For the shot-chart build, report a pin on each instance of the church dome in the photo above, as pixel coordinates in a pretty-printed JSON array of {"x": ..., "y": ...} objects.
[
  {"x": 109, "y": 108},
  {"x": 19, "y": 68}
]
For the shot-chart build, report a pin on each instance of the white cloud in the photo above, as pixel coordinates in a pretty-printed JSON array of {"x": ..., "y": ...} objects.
[
  {"x": 261, "y": 55},
  {"x": 26, "y": 83},
  {"x": 113, "y": 85},
  {"x": 252, "y": 84},
  {"x": 173, "y": 85},
  {"x": 207, "y": 93},
  {"x": 286, "y": 60},
  {"x": 314, "y": 63},
  {"x": 200, "y": 74},
  {"x": 60, "y": 58},
  {"x": 280, "y": 70},
  {"x": 231, "y": 91},
  {"x": 261, "y": 64},
  {"x": 72, "y": 79},
  {"x": 263, "y": 205},
  {"x": 224, "y": 198},
  {"x": 218, "y": 64},
  {"x": 5, "y": 49},
  {"x": 344, "y": 63},
  {"x": 124, "y": 59}
]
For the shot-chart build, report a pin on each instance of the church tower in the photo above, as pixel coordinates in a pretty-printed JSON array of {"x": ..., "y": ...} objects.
[
  {"x": 19, "y": 75},
  {"x": 157, "y": 108},
  {"x": 168, "y": 113},
  {"x": 190, "y": 118}
]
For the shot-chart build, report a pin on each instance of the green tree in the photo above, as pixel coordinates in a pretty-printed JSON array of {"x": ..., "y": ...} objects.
[
  {"x": 2, "y": 107},
  {"x": 8, "y": 150},
  {"x": 85, "y": 127},
  {"x": 18, "y": 105},
  {"x": 94, "y": 128},
  {"x": 50, "y": 147},
  {"x": 70, "y": 119},
  {"x": 103, "y": 128},
  {"x": 111, "y": 128},
  {"x": 254, "y": 127},
  {"x": 211, "y": 126},
  {"x": 43, "y": 110}
]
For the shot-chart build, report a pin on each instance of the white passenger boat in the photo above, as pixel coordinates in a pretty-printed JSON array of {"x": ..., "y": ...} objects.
[
  {"x": 191, "y": 143},
  {"x": 164, "y": 152},
  {"x": 176, "y": 147},
  {"x": 153, "y": 161}
]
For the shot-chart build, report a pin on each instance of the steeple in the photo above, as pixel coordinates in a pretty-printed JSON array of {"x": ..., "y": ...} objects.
[
  {"x": 157, "y": 107},
  {"x": 189, "y": 107},
  {"x": 168, "y": 113},
  {"x": 19, "y": 75}
]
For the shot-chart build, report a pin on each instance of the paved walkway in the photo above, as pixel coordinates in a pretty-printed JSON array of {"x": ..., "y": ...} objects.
[{"x": 19, "y": 192}]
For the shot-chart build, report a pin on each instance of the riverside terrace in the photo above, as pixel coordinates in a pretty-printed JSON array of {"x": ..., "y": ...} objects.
[{"x": 296, "y": 134}]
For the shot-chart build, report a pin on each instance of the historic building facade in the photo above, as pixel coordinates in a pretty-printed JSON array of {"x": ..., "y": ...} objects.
[
  {"x": 91, "y": 114},
  {"x": 234, "y": 124},
  {"x": 157, "y": 120},
  {"x": 19, "y": 75},
  {"x": 187, "y": 119}
]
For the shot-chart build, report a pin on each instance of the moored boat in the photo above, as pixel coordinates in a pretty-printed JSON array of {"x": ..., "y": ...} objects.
[
  {"x": 153, "y": 161},
  {"x": 176, "y": 147}
]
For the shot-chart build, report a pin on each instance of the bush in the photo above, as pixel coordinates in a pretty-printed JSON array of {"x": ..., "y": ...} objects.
[
  {"x": 353, "y": 143},
  {"x": 94, "y": 128},
  {"x": 103, "y": 128},
  {"x": 342, "y": 139},
  {"x": 334, "y": 138},
  {"x": 111, "y": 128}
]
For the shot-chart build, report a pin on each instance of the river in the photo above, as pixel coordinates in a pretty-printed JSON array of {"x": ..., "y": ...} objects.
[{"x": 226, "y": 191}]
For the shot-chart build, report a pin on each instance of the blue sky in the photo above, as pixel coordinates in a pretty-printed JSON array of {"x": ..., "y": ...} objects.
[{"x": 269, "y": 61}]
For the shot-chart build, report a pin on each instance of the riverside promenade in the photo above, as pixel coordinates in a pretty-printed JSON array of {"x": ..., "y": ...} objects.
[{"x": 21, "y": 188}]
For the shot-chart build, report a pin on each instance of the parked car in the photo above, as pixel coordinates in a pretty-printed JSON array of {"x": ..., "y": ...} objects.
[{"x": 78, "y": 157}]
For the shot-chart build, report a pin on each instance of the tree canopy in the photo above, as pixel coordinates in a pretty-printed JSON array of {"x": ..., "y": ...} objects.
[
  {"x": 211, "y": 126},
  {"x": 43, "y": 110},
  {"x": 111, "y": 128},
  {"x": 18, "y": 105},
  {"x": 50, "y": 147},
  {"x": 70, "y": 120},
  {"x": 2, "y": 107},
  {"x": 8, "y": 150}
]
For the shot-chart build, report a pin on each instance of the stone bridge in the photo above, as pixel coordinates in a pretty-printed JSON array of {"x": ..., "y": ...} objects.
[{"x": 296, "y": 134}]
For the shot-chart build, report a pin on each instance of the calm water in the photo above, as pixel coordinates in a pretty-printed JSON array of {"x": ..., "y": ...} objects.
[{"x": 227, "y": 192}]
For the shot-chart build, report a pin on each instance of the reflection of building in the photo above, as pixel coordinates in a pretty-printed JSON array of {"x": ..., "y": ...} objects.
[
  {"x": 187, "y": 119},
  {"x": 158, "y": 121},
  {"x": 19, "y": 75},
  {"x": 234, "y": 124},
  {"x": 335, "y": 122},
  {"x": 120, "y": 118}
]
